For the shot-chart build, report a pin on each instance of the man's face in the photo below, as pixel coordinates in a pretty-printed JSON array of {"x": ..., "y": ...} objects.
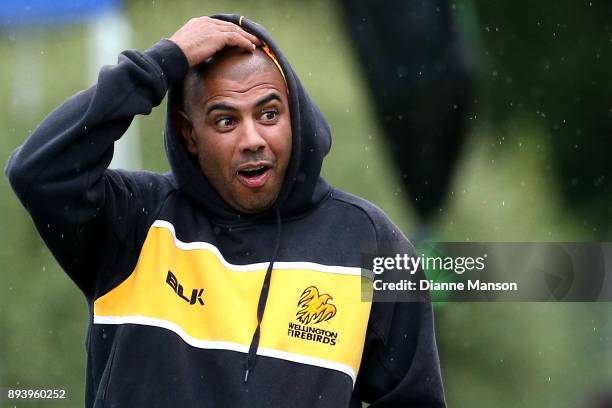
[{"x": 238, "y": 124}]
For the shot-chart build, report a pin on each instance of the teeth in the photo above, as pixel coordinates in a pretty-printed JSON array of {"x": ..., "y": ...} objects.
[{"x": 253, "y": 168}]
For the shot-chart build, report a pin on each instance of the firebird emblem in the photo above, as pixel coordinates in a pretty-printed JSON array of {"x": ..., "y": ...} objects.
[{"x": 314, "y": 307}]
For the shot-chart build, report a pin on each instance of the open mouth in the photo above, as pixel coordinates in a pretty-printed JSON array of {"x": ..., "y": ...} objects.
[
  {"x": 254, "y": 172},
  {"x": 254, "y": 176}
]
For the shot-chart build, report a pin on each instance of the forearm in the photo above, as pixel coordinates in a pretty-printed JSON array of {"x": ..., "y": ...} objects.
[
  {"x": 67, "y": 154},
  {"x": 400, "y": 365},
  {"x": 404, "y": 365},
  {"x": 60, "y": 172}
]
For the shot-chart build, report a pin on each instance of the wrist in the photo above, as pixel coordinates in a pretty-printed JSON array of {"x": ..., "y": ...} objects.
[{"x": 170, "y": 58}]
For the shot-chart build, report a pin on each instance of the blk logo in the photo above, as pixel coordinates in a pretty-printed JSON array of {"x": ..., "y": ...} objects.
[{"x": 196, "y": 294}]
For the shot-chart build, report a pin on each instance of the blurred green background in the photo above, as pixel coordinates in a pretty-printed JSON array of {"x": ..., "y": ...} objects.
[{"x": 502, "y": 354}]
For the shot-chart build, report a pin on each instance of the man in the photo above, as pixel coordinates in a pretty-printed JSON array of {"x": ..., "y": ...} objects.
[{"x": 234, "y": 280}]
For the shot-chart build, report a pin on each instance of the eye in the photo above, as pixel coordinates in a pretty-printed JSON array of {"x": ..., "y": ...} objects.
[
  {"x": 224, "y": 122},
  {"x": 269, "y": 115}
]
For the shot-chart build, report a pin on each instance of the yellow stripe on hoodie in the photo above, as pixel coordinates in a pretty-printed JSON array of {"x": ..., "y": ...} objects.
[{"x": 314, "y": 313}]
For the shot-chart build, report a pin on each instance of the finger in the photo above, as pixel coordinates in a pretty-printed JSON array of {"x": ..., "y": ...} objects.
[
  {"x": 237, "y": 40},
  {"x": 223, "y": 23},
  {"x": 248, "y": 35},
  {"x": 235, "y": 29},
  {"x": 252, "y": 38}
]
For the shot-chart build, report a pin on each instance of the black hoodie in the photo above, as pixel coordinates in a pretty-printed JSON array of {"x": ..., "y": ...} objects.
[{"x": 187, "y": 295}]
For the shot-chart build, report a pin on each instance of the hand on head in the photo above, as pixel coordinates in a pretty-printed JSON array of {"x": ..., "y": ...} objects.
[{"x": 200, "y": 38}]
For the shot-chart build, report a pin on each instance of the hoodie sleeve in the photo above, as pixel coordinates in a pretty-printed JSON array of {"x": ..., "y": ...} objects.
[
  {"x": 400, "y": 364},
  {"x": 60, "y": 173}
]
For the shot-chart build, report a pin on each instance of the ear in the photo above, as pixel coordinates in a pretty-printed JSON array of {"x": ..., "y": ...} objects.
[{"x": 188, "y": 133}]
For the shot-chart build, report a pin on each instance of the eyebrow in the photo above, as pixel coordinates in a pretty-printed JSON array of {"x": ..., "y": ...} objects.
[
  {"x": 271, "y": 97},
  {"x": 262, "y": 101},
  {"x": 221, "y": 106}
]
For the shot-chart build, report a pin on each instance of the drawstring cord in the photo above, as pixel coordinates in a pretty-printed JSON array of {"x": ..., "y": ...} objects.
[{"x": 261, "y": 305}]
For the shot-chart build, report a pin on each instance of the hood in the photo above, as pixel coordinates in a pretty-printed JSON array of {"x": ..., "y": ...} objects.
[{"x": 303, "y": 186}]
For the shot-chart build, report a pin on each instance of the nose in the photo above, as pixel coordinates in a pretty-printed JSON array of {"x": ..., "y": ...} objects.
[{"x": 251, "y": 139}]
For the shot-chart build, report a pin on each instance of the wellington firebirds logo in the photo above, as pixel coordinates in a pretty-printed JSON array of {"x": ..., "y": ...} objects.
[{"x": 314, "y": 307}]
